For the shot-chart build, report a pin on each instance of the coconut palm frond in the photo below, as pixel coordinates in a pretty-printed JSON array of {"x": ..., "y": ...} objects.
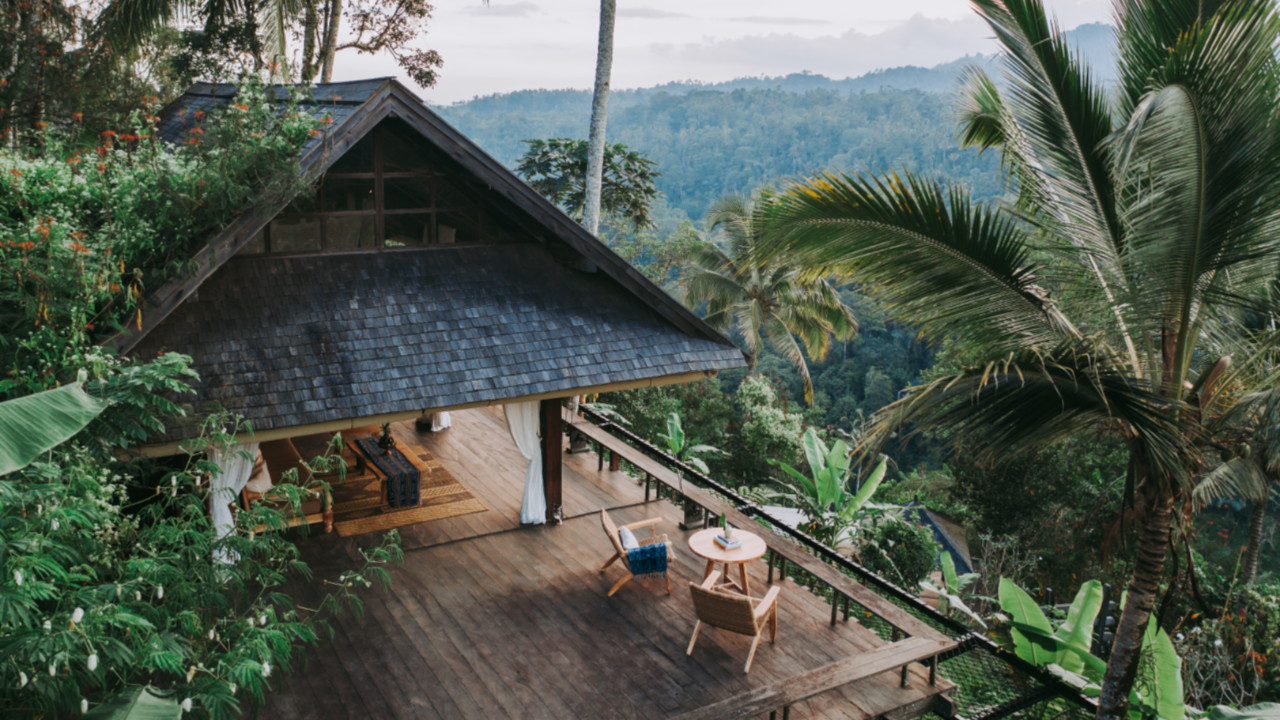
[
  {"x": 1030, "y": 400},
  {"x": 981, "y": 113},
  {"x": 934, "y": 259}
]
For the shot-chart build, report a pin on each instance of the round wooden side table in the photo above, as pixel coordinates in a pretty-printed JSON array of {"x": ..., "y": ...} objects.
[{"x": 703, "y": 544}]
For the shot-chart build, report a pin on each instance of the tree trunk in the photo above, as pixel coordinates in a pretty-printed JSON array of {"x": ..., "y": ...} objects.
[
  {"x": 1148, "y": 569},
  {"x": 599, "y": 113},
  {"x": 310, "y": 23},
  {"x": 1259, "y": 519},
  {"x": 330, "y": 46}
]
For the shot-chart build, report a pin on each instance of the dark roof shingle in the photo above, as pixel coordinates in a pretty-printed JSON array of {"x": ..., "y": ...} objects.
[{"x": 290, "y": 341}]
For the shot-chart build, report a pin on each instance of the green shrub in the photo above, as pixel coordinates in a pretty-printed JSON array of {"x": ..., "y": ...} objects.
[{"x": 898, "y": 551}]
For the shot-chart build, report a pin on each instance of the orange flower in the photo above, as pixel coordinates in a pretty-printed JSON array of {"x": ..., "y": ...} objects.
[
  {"x": 78, "y": 117},
  {"x": 102, "y": 167},
  {"x": 28, "y": 245},
  {"x": 77, "y": 247},
  {"x": 241, "y": 106},
  {"x": 17, "y": 173},
  {"x": 108, "y": 133}
]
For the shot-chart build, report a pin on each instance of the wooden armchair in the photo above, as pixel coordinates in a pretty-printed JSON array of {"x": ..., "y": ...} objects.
[
  {"x": 611, "y": 530},
  {"x": 734, "y": 612},
  {"x": 280, "y": 457}
]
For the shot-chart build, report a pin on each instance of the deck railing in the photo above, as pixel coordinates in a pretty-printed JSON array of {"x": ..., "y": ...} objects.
[{"x": 991, "y": 683}]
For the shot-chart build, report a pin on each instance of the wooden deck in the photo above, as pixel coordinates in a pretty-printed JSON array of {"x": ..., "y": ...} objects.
[{"x": 490, "y": 620}]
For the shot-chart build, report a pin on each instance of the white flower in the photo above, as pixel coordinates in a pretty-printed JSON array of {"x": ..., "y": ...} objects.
[
  {"x": 22, "y": 679},
  {"x": 84, "y": 706},
  {"x": 92, "y": 663},
  {"x": 53, "y": 670},
  {"x": 191, "y": 672},
  {"x": 266, "y": 669},
  {"x": 48, "y": 625},
  {"x": 82, "y": 375},
  {"x": 1217, "y": 643},
  {"x": 160, "y": 592},
  {"x": 137, "y": 595},
  {"x": 17, "y": 577},
  {"x": 232, "y": 688},
  {"x": 262, "y": 620},
  {"x": 54, "y": 524},
  {"x": 211, "y": 633},
  {"x": 250, "y": 621},
  {"x": 186, "y": 705},
  {"x": 77, "y": 616}
]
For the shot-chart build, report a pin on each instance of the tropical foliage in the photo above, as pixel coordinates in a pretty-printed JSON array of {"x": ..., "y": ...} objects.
[
  {"x": 557, "y": 169},
  {"x": 1146, "y": 226},
  {"x": 762, "y": 301}
]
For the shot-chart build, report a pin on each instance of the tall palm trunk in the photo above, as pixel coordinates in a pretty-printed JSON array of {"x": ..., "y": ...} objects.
[
  {"x": 1148, "y": 569},
  {"x": 330, "y": 46},
  {"x": 599, "y": 114},
  {"x": 1250, "y": 571}
]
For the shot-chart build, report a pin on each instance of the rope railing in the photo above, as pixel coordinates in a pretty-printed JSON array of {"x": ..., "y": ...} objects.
[{"x": 1044, "y": 694}]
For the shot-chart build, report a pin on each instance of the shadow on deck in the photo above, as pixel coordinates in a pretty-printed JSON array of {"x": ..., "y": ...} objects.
[{"x": 487, "y": 619}]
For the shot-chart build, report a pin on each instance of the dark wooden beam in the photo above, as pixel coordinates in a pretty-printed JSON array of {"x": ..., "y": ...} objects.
[{"x": 552, "y": 455}]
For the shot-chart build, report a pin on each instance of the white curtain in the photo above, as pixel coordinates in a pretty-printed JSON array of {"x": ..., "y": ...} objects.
[
  {"x": 523, "y": 421},
  {"x": 237, "y": 465},
  {"x": 440, "y": 421}
]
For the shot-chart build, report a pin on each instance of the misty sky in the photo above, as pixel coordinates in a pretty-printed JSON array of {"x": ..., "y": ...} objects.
[{"x": 519, "y": 44}]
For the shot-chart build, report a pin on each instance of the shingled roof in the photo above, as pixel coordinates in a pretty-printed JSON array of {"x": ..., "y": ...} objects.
[{"x": 307, "y": 340}]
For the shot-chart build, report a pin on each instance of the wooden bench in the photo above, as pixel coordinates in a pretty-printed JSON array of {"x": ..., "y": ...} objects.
[
  {"x": 894, "y": 656},
  {"x": 281, "y": 456}
]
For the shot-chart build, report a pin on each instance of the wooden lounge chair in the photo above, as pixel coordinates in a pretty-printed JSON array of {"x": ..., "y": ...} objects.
[
  {"x": 611, "y": 530},
  {"x": 734, "y": 612}
]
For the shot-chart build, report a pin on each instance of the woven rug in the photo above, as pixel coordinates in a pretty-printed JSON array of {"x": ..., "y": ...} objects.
[{"x": 442, "y": 496}]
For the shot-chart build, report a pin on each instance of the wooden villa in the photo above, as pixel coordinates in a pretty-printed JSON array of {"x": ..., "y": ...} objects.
[{"x": 423, "y": 278}]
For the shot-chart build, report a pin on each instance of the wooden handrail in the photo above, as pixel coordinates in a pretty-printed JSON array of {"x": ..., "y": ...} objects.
[
  {"x": 841, "y": 583},
  {"x": 815, "y": 682}
]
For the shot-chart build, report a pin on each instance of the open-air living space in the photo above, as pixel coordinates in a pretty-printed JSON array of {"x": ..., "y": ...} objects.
[{"x": 726, "y": 359}]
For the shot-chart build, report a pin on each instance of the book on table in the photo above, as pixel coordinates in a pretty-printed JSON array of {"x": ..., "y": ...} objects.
[{"x": 728, "y": 543}]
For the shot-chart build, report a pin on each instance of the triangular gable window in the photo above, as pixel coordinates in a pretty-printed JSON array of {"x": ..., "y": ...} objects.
[{"x": 389, "y": 190}]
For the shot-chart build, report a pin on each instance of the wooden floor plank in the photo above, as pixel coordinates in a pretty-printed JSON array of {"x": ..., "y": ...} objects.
[{"x": 508, "y": 622}]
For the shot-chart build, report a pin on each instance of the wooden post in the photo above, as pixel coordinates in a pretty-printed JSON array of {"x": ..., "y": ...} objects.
[{"x": 552, "y": 456}]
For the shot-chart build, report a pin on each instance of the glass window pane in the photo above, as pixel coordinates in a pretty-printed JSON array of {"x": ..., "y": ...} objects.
[
  {"x": 359, "y": 159},
  {"x": 408, "y": 230},
  {"x": 350, "y": 232},
  {"x": 294, "y": 234},
  {"x": 407, "y": 193},
  {"x": 347, "y": 195}
]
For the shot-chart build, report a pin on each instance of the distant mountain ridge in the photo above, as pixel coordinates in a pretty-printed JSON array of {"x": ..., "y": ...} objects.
[
  {"x": 709, "y": 139},
  {"x": 1094, "y": 41}
]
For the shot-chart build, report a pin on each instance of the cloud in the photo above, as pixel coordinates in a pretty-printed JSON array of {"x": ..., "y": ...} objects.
[
  {"x": 919, "y": 41},
  {"x": 493, "y": 9},
  {"x": 766, "y": 20},
  {"x": 649, "y": 13}
]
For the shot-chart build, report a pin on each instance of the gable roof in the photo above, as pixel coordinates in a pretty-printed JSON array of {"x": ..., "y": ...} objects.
[
  {"x": 356, "y": 108},
  {"x": 305, "y": 341}
]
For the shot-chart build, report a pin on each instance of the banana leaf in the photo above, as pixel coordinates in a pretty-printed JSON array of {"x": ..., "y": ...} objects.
[
  {"x": 139, "y": 703},
  {"x": 1077, "y": 630},
  {"x": 34, "y": 424},
  {"x": 1028, "y": 623}
]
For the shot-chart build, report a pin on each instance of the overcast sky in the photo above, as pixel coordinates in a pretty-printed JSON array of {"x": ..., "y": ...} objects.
[{"x": 519, "y": 44}]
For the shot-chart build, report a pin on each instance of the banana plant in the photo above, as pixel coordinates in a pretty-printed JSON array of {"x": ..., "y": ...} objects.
[
  {"x": 823, "y": 495},
  {"x": 675, "y": 440},
  {"x": 1064, "y": 650},
  {"x": 953, "y": 585}
]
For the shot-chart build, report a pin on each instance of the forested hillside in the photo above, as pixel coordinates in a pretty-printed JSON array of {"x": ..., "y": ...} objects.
[
  {"x": 710, "y": 142},
  {"x": 711, "y": 139}
]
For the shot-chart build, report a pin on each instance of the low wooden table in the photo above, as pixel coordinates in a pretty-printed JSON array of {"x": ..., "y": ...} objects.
[
  {"x": 350, "y": 438},
  {"x": 703, "y": 544}
]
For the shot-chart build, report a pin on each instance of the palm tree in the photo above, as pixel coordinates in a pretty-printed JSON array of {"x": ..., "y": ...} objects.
[
  {"x": 1143, "y": 225},
  {"x": 767, "y": 301},
  {"x": 1253, "y": 474},
  {"x": 599, "y": 116}
]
